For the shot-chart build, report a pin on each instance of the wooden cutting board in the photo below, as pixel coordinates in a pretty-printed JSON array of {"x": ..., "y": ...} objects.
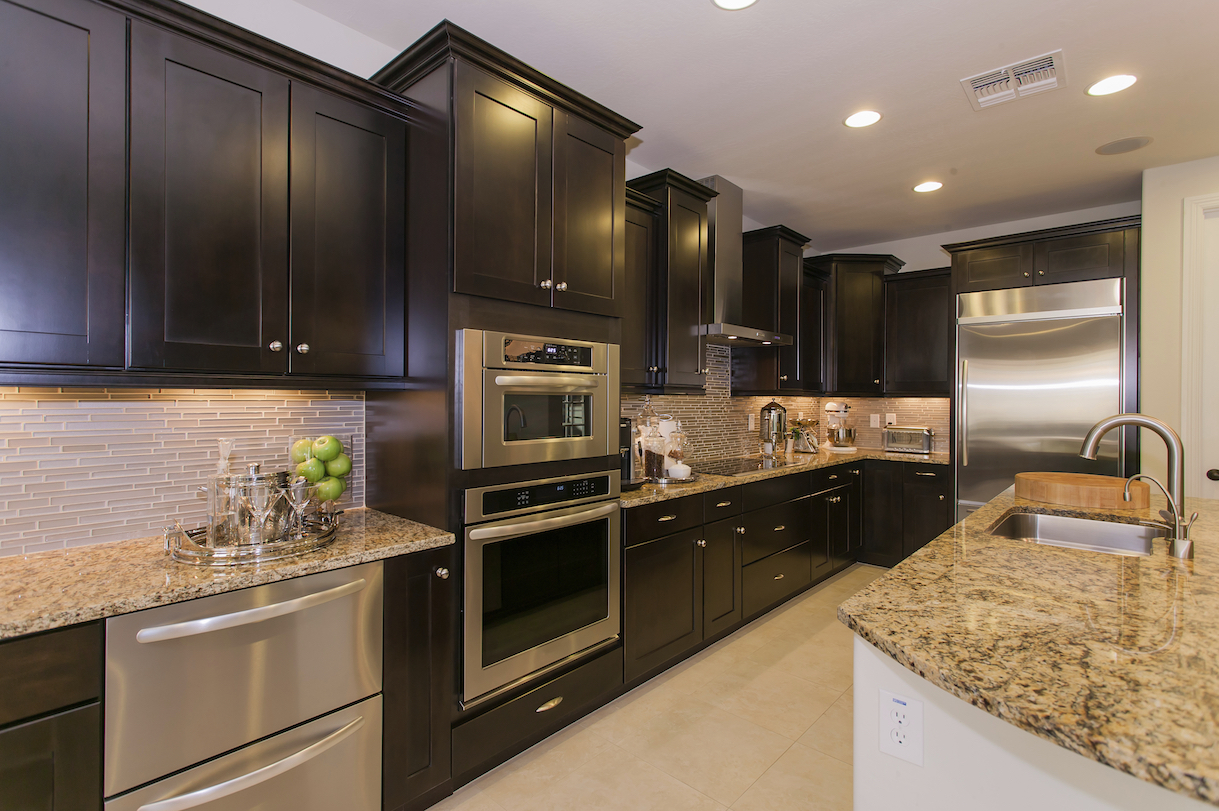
[{"x": 1082, "y": 490}]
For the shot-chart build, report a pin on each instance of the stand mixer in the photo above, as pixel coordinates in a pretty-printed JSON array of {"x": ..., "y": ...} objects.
[{"x": 838, "y": 434}]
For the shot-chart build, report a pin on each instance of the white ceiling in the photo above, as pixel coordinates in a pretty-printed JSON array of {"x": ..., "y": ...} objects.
[{"x": 759, "y": 96}]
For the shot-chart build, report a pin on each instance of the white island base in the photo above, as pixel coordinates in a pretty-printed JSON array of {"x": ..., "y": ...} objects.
[{"x": 973, "y": 761}]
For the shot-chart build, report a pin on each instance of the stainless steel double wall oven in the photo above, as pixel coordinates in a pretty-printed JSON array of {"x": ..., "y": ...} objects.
[{"x": 542, "y": 554}]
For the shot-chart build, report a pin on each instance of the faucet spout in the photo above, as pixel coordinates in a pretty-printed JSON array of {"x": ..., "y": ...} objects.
[{"x": 1176, "y": 451}]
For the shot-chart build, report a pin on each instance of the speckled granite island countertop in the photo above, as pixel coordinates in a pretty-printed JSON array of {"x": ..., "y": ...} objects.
[
  {"x": 800, "y": 463},
  {"x": 66, "y": 586},
  {"x": 1116, "y": 658}
]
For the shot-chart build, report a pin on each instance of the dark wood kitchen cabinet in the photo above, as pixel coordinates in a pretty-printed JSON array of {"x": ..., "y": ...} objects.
[
  {"x": 855, "y": 320},
  {"x": 906, "y": 504},
  {"x": 62, "y": 183},
  {"x": 662, "y": 614},
  {"x": 920, "y": 318},
  {"x": 1100, "y": 250},
  {"x": 637, "y": 350},
  {"x": 927, "y": 506},
  {"x": 683, "y": 282},
  {"x": 50, "y": 720}
]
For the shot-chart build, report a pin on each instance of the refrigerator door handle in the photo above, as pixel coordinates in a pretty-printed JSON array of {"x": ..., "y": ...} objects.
[{"x": 963, "y": 427}]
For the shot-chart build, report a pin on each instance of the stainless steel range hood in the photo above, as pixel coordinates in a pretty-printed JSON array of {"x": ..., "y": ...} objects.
[{"x": 725, "y": 219}]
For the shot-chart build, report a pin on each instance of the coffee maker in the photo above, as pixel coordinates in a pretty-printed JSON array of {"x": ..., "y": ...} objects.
[{"x": 631, "y": 454}]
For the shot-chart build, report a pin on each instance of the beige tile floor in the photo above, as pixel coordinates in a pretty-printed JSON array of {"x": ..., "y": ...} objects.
[{"x": 760, "y": 721}]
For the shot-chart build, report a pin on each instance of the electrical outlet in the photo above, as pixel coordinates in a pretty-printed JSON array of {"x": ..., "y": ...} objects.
[
  {"x": 900, "y": 727},
  {"x": 752, "y": 427},
  {"x": 874, "y": 420},
  {"x": 890, "y": 419}
]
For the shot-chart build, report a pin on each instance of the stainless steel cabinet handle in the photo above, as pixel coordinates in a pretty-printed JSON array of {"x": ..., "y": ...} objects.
[
  {"x": 263, "y": 613},
  {"x": 723, "y": 504},
  {"x": 550, "y": 705},
  {"x": 963, "y": 426},
  {"x": 212, "y": 793},
  {"x": 545, "y": 284},
  {"x": 701, "y": 543},
  {"x": 780, "y": 528},
  {"x": 778, "y": 577},
  {"x": 509, "y": 530},
  {"x": 833, "y": 476},
  {"x": 923, "y": 473},
  {"x": 276, "y": 346},
  {"x": 303, "y": 348},
  {"x": 442, "y": 573},
  {"x": 666, "y": 518},
  {"x": 561, "y": 286}
]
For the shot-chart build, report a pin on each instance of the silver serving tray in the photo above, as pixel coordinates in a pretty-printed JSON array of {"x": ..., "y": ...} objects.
[{"x": 183, "y": 545}]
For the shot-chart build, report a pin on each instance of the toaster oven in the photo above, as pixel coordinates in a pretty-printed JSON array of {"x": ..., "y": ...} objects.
[{"x": 906, "y": 439}]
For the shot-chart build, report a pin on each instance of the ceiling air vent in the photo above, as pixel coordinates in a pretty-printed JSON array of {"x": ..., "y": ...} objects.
[{"x": 1009, "y": 83}]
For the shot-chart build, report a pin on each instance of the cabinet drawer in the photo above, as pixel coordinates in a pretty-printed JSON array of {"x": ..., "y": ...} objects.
[
  {"x": 524, "y": 719},
  {"x": 774, "y": 529},
  {"x": 775, "y": 491},
  {"x": 662, "y": 518},
  {"x": 836, "y": 476},
  {"x": 44, "y": 672},
  {"x": 722, "y": 503},
  {"x": 926, "y": 474},
  {"x": 776, "y": 578},
  {"x": 189, "y": 681}
]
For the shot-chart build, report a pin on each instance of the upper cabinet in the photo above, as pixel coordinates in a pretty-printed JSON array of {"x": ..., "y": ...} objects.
[
  {"x": 919, "y": 321},
  {"x": 1099, "y": 250},
  {"x": 682, "y": 282},
  {"x": 637, "y": 351},
  {"x": 538, "y": 176},
  {"x": 855, "y": 313},
  {"x": 62, "y": 184}
]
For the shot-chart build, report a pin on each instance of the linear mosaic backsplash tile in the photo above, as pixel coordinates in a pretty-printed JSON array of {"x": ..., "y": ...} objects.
[
  {"x": 718, "y": 423},
  {"x": 81, "y": 466}
]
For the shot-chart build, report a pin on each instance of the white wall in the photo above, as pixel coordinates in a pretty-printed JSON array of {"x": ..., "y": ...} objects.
[
  {"x": 921, "y": 253},
  {"x": 306, "y": 30},
  {"x": 1164, "y": 191}
]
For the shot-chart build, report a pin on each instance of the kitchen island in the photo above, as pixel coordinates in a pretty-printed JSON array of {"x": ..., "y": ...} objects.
[{"x": 1114, "y": 658}]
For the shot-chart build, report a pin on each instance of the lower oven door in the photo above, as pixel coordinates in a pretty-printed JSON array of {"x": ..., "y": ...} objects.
[{"x": 539, "y": 589}]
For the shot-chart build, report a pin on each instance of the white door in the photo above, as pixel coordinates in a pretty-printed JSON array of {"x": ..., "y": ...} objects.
[{"x": 1206, "y": 462}]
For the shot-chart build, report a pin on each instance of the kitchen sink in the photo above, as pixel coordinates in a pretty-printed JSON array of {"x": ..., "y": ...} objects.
[{"x": 1079, "y": 533}]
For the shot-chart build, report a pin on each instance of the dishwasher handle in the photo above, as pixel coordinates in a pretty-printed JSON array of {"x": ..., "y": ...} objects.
[
  {"x": 262, "y": 613},
  {"x": 212, "y": 793}
]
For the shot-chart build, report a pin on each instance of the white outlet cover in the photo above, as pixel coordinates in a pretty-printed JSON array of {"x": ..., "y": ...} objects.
[
  {"x": 874, "y": 420},
  {"x": 890, "y": 419},
  {"x": 900, "y": 727}
]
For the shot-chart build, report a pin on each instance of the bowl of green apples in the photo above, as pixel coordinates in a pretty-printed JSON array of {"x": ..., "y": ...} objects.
[{"x": 324, "y": 460}]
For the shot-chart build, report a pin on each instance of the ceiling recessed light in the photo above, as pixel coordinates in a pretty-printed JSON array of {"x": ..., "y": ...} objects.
[
  {"x": 1123, "y": 145},
  {"x": 930, "y": 185},
  {"x": 734, "y": 5},
  {"x": 1111, "y": 85},
  {"x": 864, "y": 118}
]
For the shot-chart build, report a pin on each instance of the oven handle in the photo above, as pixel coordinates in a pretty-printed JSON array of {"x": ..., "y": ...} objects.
[
  {"x": 541, "y": 525},
  {"x": 546, "y": 383}
]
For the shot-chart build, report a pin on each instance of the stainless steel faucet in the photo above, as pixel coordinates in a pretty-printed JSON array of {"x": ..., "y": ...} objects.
[{"x": 1182, "y": 547}]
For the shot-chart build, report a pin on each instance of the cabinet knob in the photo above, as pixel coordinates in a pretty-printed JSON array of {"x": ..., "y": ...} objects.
[
  {"x": 1039, "y": 273},
  {"x": 653, "y": 368},
  {"x": 1026, "y": 274},
  {"x": 701, "y": 542},
  {"x": 856, "y": 472},
  {"x": 561, "y": 286},
  {"x": 740, "y": 530},
  {"x": 303, "y": 348},
  {"x": 941, "y": 498},
  {"x": 442, "y": 573},
  {"x": 782, "y": 378},
  {"x": 704, "y": 371},
  {"x": 545, "y": 284},
  {"x": 877, "y": 382},
  {"x": 276, "y": 346}
]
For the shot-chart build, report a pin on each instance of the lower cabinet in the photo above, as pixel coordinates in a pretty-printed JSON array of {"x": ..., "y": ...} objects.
[
  {"x": 907, "y": 504},
  {"x": 777, "y": 577},
  {"x": 663, "y": 600},
  {"x": 721, "y": 576},
  {"x": 926, "y": 504}
]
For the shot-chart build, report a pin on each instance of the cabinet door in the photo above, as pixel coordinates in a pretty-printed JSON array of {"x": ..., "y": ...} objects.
[
  {"x": 689, "y": 284},
  {"x": 662, "y": 612},
  {"x": 819, "y": 536},
  {"x": 1080, "y": 258},
  {"x": 54, "y": 763},
  {"x": 919, "y": 321},
  {"x": 417, "y": 687},
  {"x": 859, "y": 330},
  {"x": 791, "y": 316},
  {"x": 638, "y": 351},
  {"x": 503, "y": 177},
  {"x": 813, "y": 294},
  {"x": 209, "y": 208},
  {"x": 835, "y": 511},
  {"x": 926, "y": 505},
  {"x": 855, "y": 512},
  {"x": 882, "y": 513},
  {"x": 721, "y": 576},
  {"x": 589, "y": 217},
  {"x": 62, "y": 262},
  {"x": 992, "y": 268},
  {"x": 348, "y": 265}
]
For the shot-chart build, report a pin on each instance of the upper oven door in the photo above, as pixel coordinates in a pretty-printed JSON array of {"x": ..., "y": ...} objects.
[{"x": 542, "y": 417}]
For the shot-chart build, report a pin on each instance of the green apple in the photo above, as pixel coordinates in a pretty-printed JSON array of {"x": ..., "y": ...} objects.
[
  {"x": 327, "y": 448},
  {"x": 330, "y": 488},
  {"x": 312, "y": 470},
  {"x": 302, "y": 449},
  {"x": 339, "y": 466}
]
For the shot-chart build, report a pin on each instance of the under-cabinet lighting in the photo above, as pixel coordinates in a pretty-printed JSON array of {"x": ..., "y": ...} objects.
[
  {"x": 1113, "y": 84},
  {"x": 732, "y": 337},
  {"x": 864, "y": 118},
  {"x": 765, "y": 343},
  {"x": 930, "y": 185}
]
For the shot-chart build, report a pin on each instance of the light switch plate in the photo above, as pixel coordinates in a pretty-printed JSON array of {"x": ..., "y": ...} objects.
[
  {"x": 900, "y": 727},
  {"x": 890, "y": 419},
  {"x": 874, "y": 420}
]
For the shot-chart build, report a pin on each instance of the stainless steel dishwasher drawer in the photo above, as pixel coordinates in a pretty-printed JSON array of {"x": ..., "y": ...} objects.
[
  {"x": 190, "y": 681},
  {"x": 333, "y": 762}
]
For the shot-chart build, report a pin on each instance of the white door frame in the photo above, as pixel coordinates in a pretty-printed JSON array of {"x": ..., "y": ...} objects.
[{"x": 1192, "y": 318}]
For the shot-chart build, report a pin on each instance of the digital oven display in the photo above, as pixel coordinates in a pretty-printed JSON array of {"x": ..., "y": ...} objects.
[
  {"x": 517, "y": 350},
  {"x": 539, "y": 495}
]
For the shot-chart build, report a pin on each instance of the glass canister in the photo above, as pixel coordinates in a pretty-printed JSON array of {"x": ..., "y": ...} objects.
[
  {"x": 653, "y": 453},
  {"x": 247, "y": 508},
  {"x": 677, "y": 454}
]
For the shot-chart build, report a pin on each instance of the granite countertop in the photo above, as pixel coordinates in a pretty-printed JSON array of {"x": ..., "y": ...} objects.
[
  {"x": 1116, "y": 658},
  {"x": 65, "y": 586},
  {"x": 706, "y": 482}
]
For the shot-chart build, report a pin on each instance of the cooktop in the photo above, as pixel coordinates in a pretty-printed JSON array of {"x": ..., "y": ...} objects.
[{"x": 741, "y": 466}]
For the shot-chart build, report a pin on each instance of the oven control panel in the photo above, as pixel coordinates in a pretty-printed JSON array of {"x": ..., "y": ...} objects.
[
  {"x": 512, "y": 498},
  {"x": 527, "y": 350}
]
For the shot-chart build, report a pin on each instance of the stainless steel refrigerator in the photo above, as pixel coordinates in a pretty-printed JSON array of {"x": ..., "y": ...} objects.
[{"x": 1036, "y": 368}]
